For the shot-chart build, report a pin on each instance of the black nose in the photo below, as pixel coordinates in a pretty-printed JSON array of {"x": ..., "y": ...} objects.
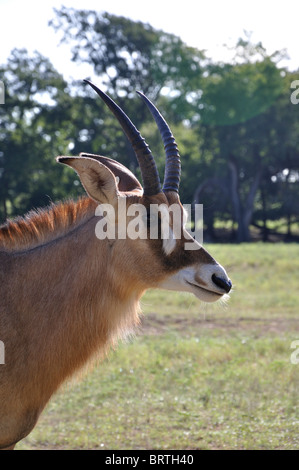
[{"x": 223, "y": 283}]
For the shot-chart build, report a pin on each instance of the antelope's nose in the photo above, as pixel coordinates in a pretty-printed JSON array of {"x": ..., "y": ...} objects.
[{"x": 225, "y": 284}]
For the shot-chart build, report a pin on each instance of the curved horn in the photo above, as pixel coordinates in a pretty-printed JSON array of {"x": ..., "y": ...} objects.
[
  {"x": 149, "y": 171},
  {"x": 173, "y": 162}
]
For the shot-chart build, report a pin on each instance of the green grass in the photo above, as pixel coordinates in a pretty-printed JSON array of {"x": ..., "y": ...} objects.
[{"x": 196, "y": 376}]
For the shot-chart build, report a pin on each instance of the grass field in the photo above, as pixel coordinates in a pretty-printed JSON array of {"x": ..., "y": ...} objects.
[{"x": 196, "y": 376}]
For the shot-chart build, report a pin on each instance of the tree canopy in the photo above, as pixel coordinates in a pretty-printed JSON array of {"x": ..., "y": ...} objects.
[{"x": 235, "y": 124}]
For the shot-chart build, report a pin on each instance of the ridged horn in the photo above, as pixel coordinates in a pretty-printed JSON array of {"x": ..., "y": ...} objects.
[
  {"x": 172, "y": 173},
  {"x": 148, "y": 167}
]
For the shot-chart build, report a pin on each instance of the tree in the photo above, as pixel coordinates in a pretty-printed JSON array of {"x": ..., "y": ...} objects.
[
  {"x": 35, "y": 127},
  {"x": 236, "y": 128},
  {"x": 280, "y": 184},
  {"x": 237, "y": 101},
  {"x": 127, "y": 56}
]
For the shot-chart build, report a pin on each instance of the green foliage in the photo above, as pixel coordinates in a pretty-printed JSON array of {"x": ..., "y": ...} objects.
[
  {"x": 234, "y": 93},
  {"x": 128, "y": 55},
  {"x": 34, "y": 129},
  {"x": 235, "y": 125}
]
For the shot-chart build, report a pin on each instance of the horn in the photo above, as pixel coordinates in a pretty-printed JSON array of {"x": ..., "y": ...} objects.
[
  {"x": 148, "y": 167},
  {"x": 173, "y": 162}
]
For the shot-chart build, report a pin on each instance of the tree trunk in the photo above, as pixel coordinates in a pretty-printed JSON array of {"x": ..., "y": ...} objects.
[
  {"x": 264, "y": 212},
  {"x": 288, "y": 236},
  {"x": 243, "y": 214},
  {"x": 219, "y": 184}
]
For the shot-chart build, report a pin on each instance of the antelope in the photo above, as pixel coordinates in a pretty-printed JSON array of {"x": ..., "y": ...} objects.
[{"x": 66, "y": 295}]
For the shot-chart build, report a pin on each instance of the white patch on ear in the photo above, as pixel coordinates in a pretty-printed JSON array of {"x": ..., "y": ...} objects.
[
  {"x": 169, "y": 243},
  {"x": 185, "y": 217},
  {"x": 169, "y": 240}
]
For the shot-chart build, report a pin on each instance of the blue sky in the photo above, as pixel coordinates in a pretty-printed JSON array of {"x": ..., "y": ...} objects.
[{"x": 204, "y": 24}]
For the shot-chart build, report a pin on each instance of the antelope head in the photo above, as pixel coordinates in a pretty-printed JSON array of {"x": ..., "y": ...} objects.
[{"x": 162, "y": 262}]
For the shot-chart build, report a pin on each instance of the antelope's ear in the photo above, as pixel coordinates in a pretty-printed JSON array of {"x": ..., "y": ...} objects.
[
  {"x": 98, "y": 181},
  {"x": 127, "y": 181}
]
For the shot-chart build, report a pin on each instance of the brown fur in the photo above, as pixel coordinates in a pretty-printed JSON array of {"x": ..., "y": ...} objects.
[
  {"x": 65, "y": 296},
  {"x": 41, "y": 226},
  {"x": 60, "y": 303}
]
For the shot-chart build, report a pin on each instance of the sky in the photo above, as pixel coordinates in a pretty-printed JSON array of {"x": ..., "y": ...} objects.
[{"x": 207, "y": 25}]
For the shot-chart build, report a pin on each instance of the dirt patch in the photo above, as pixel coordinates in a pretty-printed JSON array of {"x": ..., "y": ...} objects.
[{"x": 154, "y": 324}]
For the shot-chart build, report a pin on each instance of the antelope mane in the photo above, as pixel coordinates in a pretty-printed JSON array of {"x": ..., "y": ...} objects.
[{"x": 42, "y": 226}]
